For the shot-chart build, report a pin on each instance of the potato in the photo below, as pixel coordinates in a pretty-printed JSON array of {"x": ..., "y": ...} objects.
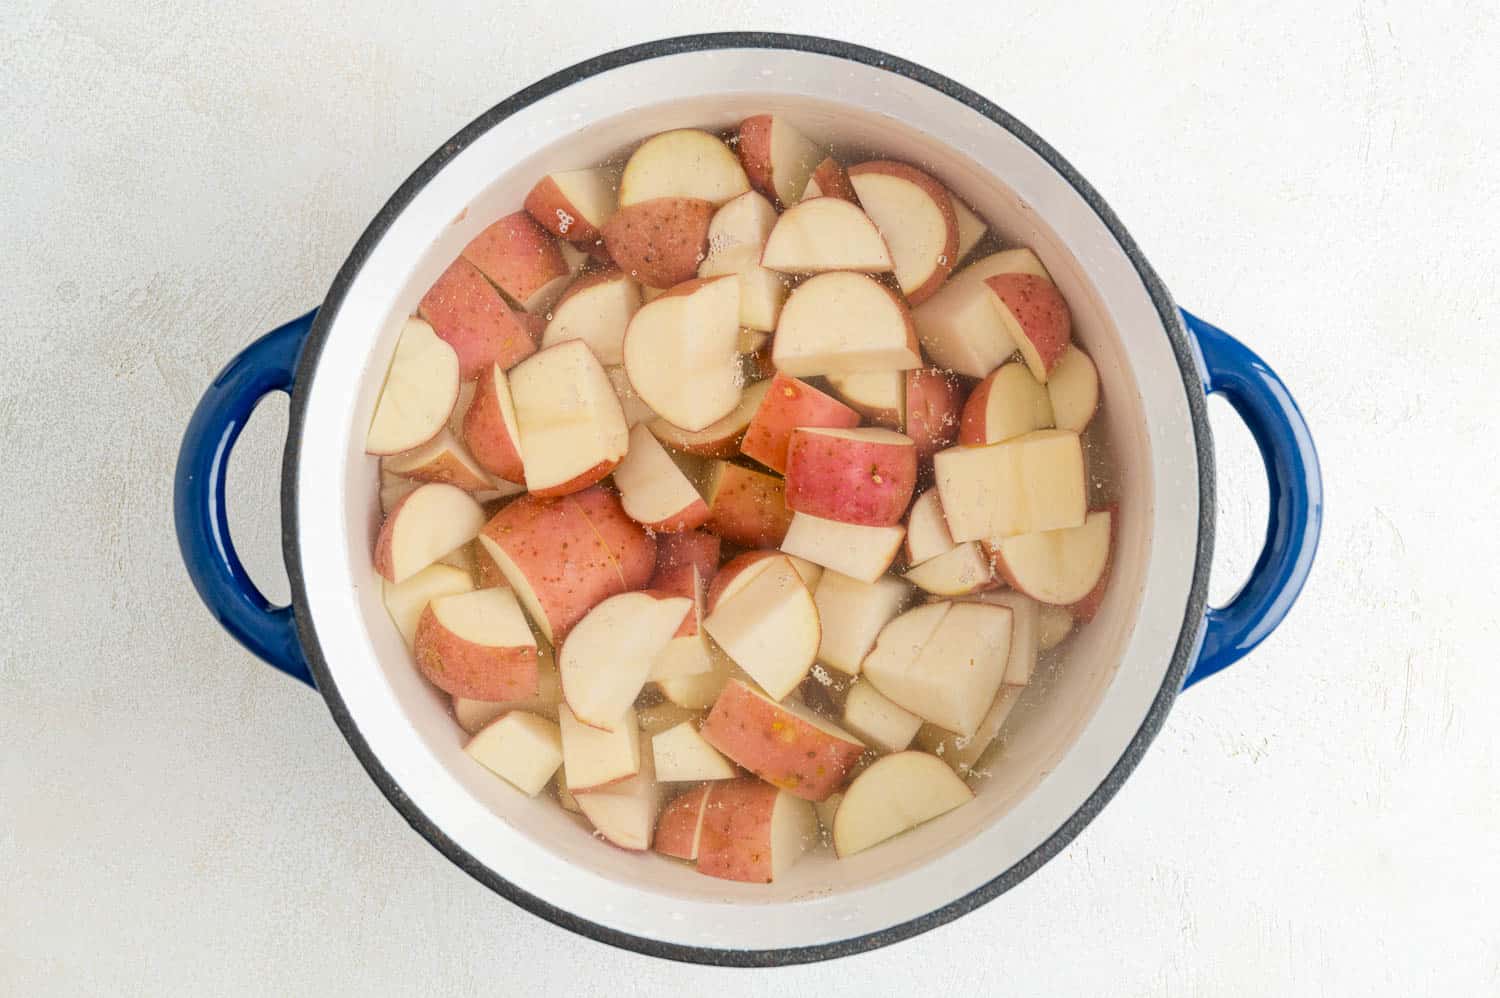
[{"x": 660, "y": 242}]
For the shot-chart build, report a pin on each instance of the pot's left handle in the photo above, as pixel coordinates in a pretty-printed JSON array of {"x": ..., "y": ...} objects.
[{"x": 269, "y": 364}]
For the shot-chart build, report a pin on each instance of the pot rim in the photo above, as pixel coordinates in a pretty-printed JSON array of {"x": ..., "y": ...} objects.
[{"x": 1189, "y": 635}]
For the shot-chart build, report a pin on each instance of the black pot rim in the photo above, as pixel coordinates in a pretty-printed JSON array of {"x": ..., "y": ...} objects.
[{"x": 1188, "y": 636}]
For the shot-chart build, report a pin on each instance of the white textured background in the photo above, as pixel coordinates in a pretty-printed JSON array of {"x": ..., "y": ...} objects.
[{"x": 1319, "y": 178}]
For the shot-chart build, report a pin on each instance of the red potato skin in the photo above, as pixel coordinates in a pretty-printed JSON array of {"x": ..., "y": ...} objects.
[
  {"x": 485, "y": 433},
  {"x": 940, "y": 196},
  {"x": 487, "y": 574},
  {"x": 971, "y": 422},
  {"x": 692, "y": 517},
  {"x": 631, "y": 548},
  {"x": 1041, "y": 311},
  {"x": 542, "y": 205},
  {"x": 465, "y": 669},
  {"x": 934, "y": 410},
  {"x": 754, "y": 145},
  {"x": 776, "y": 745},
  {"x": 571, "y": 559},
  {"x": 676, "y": 552},
  {"x": 833, "y": 181},
  {"x": 466, "y": 311},
  {"x": 749, "y": 508},
  {"x": 852, "y": 481},
  {"x": 1087, "y": 608},
  {"x": 678, "y": 825},
  {"x": 535, "y": 326},
  {"x": 518, "y": 255},
  {"x": 736, "y": 839},
  {"x": 383, "y": 565},
  {"x": 732, "y": 568},
  {"x": 790, "y": 403},
  {"x": 660, "y": 242},
  {"x": 683, "y": 580}
]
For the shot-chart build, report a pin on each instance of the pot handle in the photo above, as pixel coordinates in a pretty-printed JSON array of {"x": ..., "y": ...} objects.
[
  {"x": 269, "y": 364},
  {"x": 1296, "y": 514}
]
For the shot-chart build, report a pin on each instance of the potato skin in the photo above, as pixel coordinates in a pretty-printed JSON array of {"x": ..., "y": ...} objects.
[
  {"x": 776, "y": 745},
  {"x": 1042, "y": 312},
  {"x": 833, "y": 181},
  {"x": 518, "y": 255},
  {"x": 660, "y": 242},
  {"x": 736, "y": 839},
  {"x": 749, "y": 508},
  {"x": 852, "y": 481},
  {"x": 790, "y": 403},
  {"x": 934, "y": 410},
  {"x": 486, "y": 435},
  {"x": 543, "y": 203},
  {"x": 476, "y": 672},
  {"x": 468, "y": 313},
  {"x": 631, "y": 548},
  {"x": 676, "y": 552},
  {"x": 569, "y": 557},
  {"x": 754, "y": 146}
]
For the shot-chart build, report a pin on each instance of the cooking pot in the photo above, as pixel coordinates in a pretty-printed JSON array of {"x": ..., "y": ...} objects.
[{"x": 1084, "y": 723}]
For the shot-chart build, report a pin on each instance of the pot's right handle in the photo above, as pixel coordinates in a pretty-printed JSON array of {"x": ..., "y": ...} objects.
[
  {"x": 1263, "y": 402},
  {"x": 267, "y": 365}
]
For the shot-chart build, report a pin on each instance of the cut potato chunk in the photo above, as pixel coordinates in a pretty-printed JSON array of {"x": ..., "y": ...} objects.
[
  {"x": 572, "y": 428},
  {"x": 1032, "y": 483},
  {"x": 680, "y": 826},
  {"x": 778, "y": 159},
  {"x": 625, "y": 812},
  {"x": 843, "y": 323},
  {"x": 736, "y": 237},
  {"x": 916, "y": 217},
  {"x": 654, "y": 490},
  {"x": 521, "y": 748},
  {"x": 784, "y": 743},
  {"x": 826, "y": 234},
  {"x": 897, "y": 793},
  {"x": 769, "y": 627},
  {"x": 680, "y": 352},
  {"x": 681, "y": 754},
  {"x": 425, "y": 525},
  {"x": 852, "y": 614},
  {"x": 754, "y": 832},
  {"x": 405, "y": 601},
  {"x": 682, "y": 163},
  {"x": 877, "y": 720},
  {"x": 957, "y": 667},
  {"x": 596, "y": 757},
  {"x": 606, "y": 659},
  {"x": 861, "y": 552},
  {"x": 421, "y": 389},
  {"x": 963, "y": 753},
  {"x": 960, "y": 327},
  {"x": 477, "y": 645},
  {"x": 1057, "y": 566}
]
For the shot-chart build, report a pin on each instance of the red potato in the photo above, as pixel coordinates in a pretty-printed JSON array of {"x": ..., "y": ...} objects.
[
  {"x": 769, "y": 626},
  {"x": 680, "y": 824},
  {"x": 851, "y": 614},
  {"x": 687, "y": 653},
  {"x": 844, "y": 323},
  {"x": 860, "y": 476},
  {"x": 490, "y": 429},
  {"x": 595, "y": 308},
  {"x": 572, "y": 428},
  {"x": 421, "y": 388},
  {"x": 677, "y": 552},
  {"x": 632, "y": 549},
  {"x": 487, "y": 574},
  {"x": 789, "y": 404},
  {"x": 826, "y": 234},
  {"x": 915, "y": 215},
  {"x": 654, "y": 490},
  {"x": 473, "y": 715},
  {"x": 879, "y": 396},
  {"x": 934, "y": 407},
  {"x": 746, "y": 507},
  {"x": 720, "y": 439},
  {"x": 1006, "y": 404},
  {"x": 1061, "y": 567},
  {"x": 830, "y": 179},
  {"x": 660, "y": 242},
  {"x": 441, "y": 459},
  {"x": 784, "y": 744},
  {"x": 518, "y": 256},
  {"x": 405, "y": 601},
  {"x": 682, "y": 163},
  {"x": 523, "y": 749},
  {"x": 778, "y": 159},
  {"x": 897, "y": 793},
  {"x": 1028, "y": 484},
  {"x": 624, "y": 813},
  {"x": 959, "y": 327},
  {"x": 927, "y": 533},
  {"x": 574, "y": 204},
  {"x": 680, "y": 352},
  {"x": 426, "y": 524},
  {"x": 739, "y": 570},
  {"x": 753, "y": 832},
  {"x": 1036, "y": 316},
  {"x": 606, "y": 659},
  {"x": 736, "y": 238},
  {"x": 858, "y": 551},
  {"x": 564, "y": 556},
  {"x": 1073, "y": 390},
  {"x": 477, "y": 645},
  {"x": 467, "y": 312}
]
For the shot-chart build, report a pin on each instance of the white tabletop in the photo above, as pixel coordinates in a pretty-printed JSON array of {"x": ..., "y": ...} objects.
[{"x": 1319, "y": 179}]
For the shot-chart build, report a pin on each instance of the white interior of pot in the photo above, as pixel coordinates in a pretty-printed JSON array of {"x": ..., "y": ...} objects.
[{"x": 1075, "y": 718}]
